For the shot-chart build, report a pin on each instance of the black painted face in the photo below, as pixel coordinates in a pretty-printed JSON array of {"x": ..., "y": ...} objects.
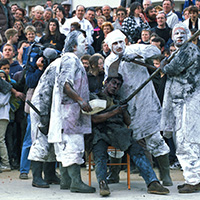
[{"x": 113, "y": 86}]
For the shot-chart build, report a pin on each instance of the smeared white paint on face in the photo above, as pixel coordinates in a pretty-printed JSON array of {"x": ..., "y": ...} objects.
[
  {"x": 118, "y": 47},
  {"x": 179, "y": 37},
  {"x": 81, "y": 47}
]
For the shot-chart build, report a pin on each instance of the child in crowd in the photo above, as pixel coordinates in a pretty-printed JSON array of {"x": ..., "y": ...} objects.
[
  {"x": 9, "y": 53},
  {"x": 12, "y": 37},
  {"x": 145, "y": 37},
  {"x": 105, "y": 51},
  {"x": 14, "y": 105},
  {"x": 38, "y": 14},
  {"x": 30, "y": 33},
  {"x": 160, "y": 87},
  {"x": 4, "y": 119}
]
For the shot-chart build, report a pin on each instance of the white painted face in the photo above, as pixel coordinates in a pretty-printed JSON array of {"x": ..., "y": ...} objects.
[
  {"x": 118, "y": 47},
  {"x": 81, "y": 47},
  {"x": 179, "y": 37}
]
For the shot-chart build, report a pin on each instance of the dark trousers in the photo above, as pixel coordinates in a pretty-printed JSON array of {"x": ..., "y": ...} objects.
[{"x": 136, "y": 154}]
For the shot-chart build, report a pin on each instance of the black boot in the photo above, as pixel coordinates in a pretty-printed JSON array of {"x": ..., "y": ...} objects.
[
  {"x": 77, "y": 184},
  {"x": 65, "y": 180},
  {"x": 113, "y": 176},
  {"x": 50, "y": 173},
  {"x": 37, "y": 175},
  {"x": 163, "y": 162}
]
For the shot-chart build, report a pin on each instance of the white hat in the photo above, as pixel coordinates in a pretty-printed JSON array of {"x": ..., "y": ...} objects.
[{"x": 114, "y": 36}]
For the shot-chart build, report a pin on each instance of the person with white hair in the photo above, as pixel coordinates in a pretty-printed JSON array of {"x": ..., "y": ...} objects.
[
  {"x": 180, "y": 116},
  {"x": 38, "y": 14},
  {"x": 60, "y": 100},
  {"x": 146, "y": 3},
  {"x": 33, "y": 75},
  {"x": 144, "y": 108}
]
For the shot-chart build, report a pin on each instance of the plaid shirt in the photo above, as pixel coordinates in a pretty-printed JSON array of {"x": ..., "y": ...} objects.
[{"x": 130, "y": 27}]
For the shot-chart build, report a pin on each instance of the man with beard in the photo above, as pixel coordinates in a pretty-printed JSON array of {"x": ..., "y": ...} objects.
[
  {"x": 180, "y": 116},
  {"x": 150, "y": 15}
]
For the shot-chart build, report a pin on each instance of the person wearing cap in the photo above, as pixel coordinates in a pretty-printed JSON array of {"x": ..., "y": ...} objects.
[
  {"x": 60, "y": 95},
  {"x": 33, "y": 75},
  {"x": 144, "y": 108},
  {"x": 67, "y": 5},
  {"x": 110, "y": 128},
  {"x": 180, "y": 117}
]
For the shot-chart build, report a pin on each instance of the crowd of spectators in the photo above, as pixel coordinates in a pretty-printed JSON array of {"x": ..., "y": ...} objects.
[{"x": 49, "y": 25}]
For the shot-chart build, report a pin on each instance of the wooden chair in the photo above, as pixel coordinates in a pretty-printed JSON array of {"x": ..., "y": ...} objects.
[{"x": 110, "y": 148}]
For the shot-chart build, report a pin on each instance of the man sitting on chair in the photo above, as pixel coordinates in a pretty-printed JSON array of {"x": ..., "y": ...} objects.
[{"x": 110, "y": 128}]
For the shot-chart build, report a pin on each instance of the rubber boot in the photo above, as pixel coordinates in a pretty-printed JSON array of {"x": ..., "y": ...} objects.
[
  {"x": 50, "y": 173},
  {"x": 163, "y": 162},
  {"x": 37, "y": 175},
  {"x": 65, "y": 180},
  {"x": 113, "y": 176},
  {"x": 77, "y": 184},
  {"x": 156, "y": 188}
]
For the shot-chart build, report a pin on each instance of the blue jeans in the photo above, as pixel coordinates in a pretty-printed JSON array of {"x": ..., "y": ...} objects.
[
  {"x": 136, "y": 154},
  {"x": 24, "y": 162}
]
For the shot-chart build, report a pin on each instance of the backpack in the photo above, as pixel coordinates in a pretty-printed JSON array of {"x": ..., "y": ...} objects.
[{"x": 31, "y": 54}]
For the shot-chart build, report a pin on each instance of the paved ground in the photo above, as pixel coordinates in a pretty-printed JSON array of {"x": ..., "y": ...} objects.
[{"x": 12, "y": 188}]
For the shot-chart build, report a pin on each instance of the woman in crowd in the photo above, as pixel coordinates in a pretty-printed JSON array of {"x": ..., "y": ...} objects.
[
  {"x": 96, "y": 73},
  {"x": 30, "y": 33},
  {"x": 135, "y": 23},
  {"x": 53, "y": 35},
  {"x": 62, "y": 20},
  {"x": 106, "y": 27},
  {"x": 20, "y": 28},
  {"x": 98, "y": 33}
]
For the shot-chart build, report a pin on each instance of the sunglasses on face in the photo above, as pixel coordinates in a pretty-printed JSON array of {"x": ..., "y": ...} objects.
[{"x": 122, "y": 14}]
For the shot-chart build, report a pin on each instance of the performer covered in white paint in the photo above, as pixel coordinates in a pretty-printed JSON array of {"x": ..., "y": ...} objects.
[
  {"x": 181, "y": 106},
  {"x": 66, "y": 96},
  {"x": 144, "y": 108}
]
